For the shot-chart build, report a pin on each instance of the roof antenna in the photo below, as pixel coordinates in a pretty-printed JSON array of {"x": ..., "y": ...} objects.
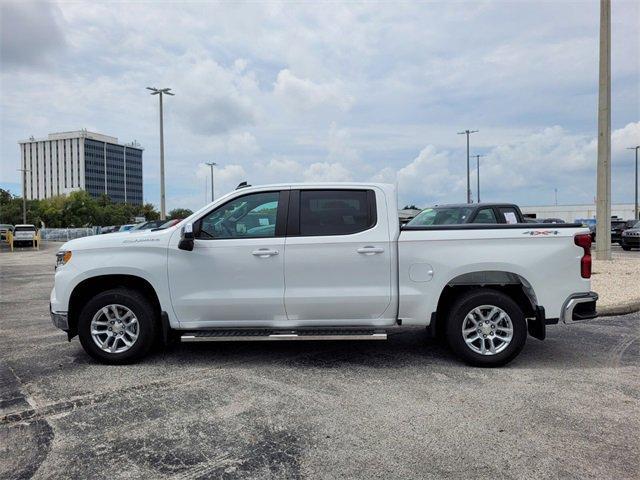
[{"x": 242, "y": 185}]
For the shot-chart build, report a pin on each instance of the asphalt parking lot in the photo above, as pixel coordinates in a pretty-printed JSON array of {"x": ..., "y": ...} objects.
[{"x": 567, "y": 407}]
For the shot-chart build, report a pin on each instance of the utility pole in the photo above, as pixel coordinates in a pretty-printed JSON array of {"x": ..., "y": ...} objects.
[
  {"x": 635, "y": 205},
  {"x": 467, "y": 133},
  {"x": 24, "y": 193},
  {"x": 211, "y": 165},
  {"x": 160, "y": 92},
  {"x": 603, "y": 191},
  {"x": 478, "y": 174}
]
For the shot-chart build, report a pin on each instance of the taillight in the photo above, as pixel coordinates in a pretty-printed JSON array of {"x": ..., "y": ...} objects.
[{"x": 584, "y": 241}]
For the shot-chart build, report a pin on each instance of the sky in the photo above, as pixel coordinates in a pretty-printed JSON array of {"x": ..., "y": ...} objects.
[{"x": 330, "y": 91}]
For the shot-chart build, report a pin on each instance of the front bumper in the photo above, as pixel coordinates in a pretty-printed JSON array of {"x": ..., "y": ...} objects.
[
  {"x": 630, "y": 241},
  {"x": 59, "y": 319},
  {"x": 579, "y": 306}
]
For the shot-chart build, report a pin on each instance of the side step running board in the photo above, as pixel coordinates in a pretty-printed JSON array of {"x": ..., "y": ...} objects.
[{"x": 268, "y": 336}]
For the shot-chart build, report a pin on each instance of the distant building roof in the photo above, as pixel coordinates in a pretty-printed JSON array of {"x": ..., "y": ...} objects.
[{"x": 84, "y": 133}]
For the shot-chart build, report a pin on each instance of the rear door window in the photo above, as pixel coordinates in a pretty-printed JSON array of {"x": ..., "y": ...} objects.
[
  {"x": 336, "y": 212},
  {"x": 485, "y": 215},
  {"x": 509, "y": 214}
]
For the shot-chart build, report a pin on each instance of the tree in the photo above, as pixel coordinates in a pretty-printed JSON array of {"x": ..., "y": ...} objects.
[
  {"x": 180, "y": 213},
  {"x": 149, "y": 212},
  {"x": 410, "y": 207},
  {"x": 5, "y": 196},
  {"x": 78, "y": 209}
]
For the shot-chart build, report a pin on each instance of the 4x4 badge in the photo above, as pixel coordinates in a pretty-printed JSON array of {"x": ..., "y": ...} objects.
[{"x": 541, "y": 232}]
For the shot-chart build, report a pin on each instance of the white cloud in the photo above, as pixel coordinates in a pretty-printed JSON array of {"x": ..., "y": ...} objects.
[
  {"x": 280, "y": 92},
  {"x": 242, "y": 144},
  {"x": 303, "y": 94},
  {"x": 327, "y": 172}
]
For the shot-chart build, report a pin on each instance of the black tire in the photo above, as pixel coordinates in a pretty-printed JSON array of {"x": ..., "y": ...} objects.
[
  {"x": 465, "y": 304},
  {"x": 625, "y": 248},
  {"x": 147, "y": 325}
]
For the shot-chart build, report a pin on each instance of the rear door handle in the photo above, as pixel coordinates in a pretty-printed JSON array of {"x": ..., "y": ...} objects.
[
  {"x": 370, "y": 250},
  {"x": 264, "y": 252}
]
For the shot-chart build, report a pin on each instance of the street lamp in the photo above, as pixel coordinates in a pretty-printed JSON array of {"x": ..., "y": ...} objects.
[
  {"x": 478, "y": 173},
  {"x": 211, "y": 165},
  {"x": 467, "y": 133},
  {"x": 635, "y": 205},
  {"x": 160, "y": 92}
]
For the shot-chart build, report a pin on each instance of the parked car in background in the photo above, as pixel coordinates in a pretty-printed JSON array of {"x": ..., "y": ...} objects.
[
  {"x": 126, "y": 228},
  {"x": 551, "y": 220},
  {"x": 169, "y": 223},
  {"x": 630, "y": 237},
  {"x": 350, "y": 271},
  {"x": 458, "y": 214},
  {"x": 617, "y": 227},
  {"x": 4, "y": 229},
  {"x": 151, "y": 224},
  {"x": 25, "y": 235},
  {"x": 588, "y": 222},
  {"x": 109, "y": 229}
]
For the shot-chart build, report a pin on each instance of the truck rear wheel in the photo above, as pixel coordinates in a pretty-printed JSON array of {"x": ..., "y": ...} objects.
[
  {"x": 117, "y": 326},
  {"x": 486, "y": 328}
]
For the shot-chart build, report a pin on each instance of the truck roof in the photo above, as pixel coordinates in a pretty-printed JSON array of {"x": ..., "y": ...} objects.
[{"x": 323, "y": 185}]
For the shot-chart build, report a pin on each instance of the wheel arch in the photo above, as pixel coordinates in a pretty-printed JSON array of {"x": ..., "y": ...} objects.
[
  {"x": 512, "y": 284},
  {"x": 90, "y": 287}
]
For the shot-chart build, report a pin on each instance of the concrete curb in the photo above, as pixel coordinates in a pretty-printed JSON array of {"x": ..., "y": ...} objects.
[{"x": 620, "y": 309}]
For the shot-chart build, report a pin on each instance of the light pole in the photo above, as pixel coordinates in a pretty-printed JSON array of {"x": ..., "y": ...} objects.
[
  {"x": 467, "y": 133},
  {"x": 635, "y": 205},
  {"x": 603, "y": 183},
  {"x": 478, "y": 174},
  {"x": 160, "y": 92},
  {"x": 24, "y": 193},
  {"x": 555, "y": 191},
  {"x": 211, "y": 165}
]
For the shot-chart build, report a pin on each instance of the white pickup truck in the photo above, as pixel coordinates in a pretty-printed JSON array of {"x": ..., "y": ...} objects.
[{"x": 321, "y": 262}]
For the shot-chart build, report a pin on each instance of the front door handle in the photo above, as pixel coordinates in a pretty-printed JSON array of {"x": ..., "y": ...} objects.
[
  {"x": 264, "y": 252},
  {"x": 370, "y": 250}
]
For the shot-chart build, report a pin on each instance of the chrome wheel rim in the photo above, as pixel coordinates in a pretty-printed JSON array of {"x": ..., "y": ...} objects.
[
  {"x": 114, "y": 328},
  {"x": 487, "y": 330}
]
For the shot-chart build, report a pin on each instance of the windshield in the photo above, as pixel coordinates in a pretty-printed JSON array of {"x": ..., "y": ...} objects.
[
  {"x": 441, "y": 216},
  {"x": 25, "y": 229}
]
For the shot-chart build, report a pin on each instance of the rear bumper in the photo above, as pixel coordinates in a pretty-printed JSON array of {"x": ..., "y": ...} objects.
[{"x": 579, "y": 306}]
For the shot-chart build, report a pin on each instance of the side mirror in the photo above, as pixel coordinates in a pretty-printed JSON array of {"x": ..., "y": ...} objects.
[{"x": 186, "y": 238}]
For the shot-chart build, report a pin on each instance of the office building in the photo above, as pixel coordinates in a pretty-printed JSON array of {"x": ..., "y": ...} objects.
[
  {"x": 571, "y": 213},
  {"x": 82, "y": 160}
]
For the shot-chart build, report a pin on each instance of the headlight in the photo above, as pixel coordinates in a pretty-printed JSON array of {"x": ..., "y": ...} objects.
[{"x": 63, "y": 257}]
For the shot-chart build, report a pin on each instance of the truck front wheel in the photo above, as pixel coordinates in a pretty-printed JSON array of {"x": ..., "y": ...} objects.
[
  {"x": 117, "y": 326},
  {"x": 486, "y": 328}
]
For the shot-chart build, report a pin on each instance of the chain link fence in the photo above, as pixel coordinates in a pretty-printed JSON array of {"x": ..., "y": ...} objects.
[{"x": 64, "y": 234}]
